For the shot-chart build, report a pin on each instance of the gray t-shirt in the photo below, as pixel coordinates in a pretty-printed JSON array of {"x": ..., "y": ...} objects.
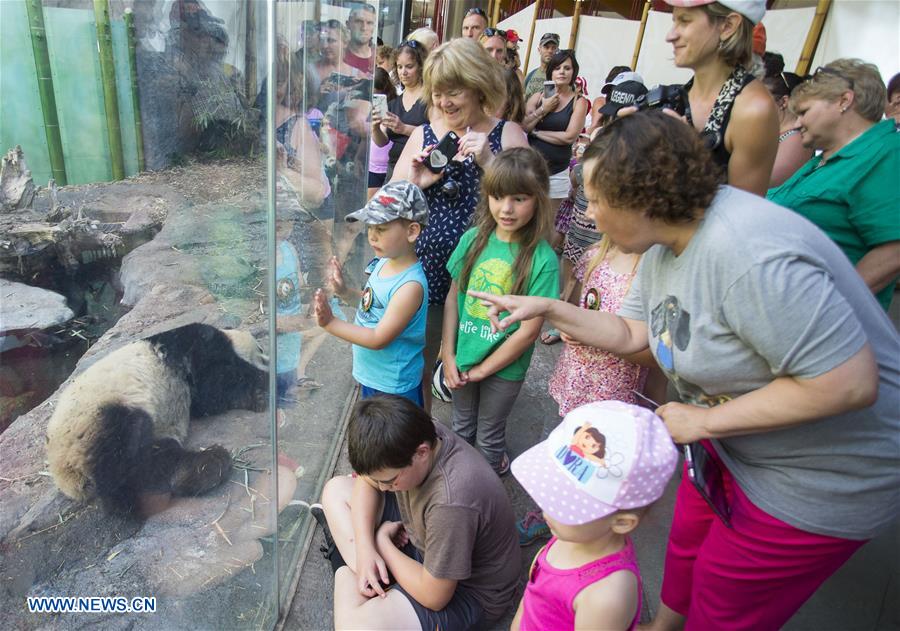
[
  {"x": 761, "y": 293},
  {"x": 461, "y": 519}
]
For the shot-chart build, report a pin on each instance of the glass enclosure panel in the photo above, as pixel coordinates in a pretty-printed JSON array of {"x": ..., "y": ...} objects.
[
  {"x": 324, "y": 63},
  {"x": 135, "y": 328}
]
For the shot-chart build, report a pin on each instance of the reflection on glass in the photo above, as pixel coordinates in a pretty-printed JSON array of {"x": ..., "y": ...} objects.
[{"x": 154, "y": 292}]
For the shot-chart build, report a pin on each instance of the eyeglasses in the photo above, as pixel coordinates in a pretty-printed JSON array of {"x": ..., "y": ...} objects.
[
  {"x": 410, "y": 43},
  {"x": 476, "y": 11},
  {"x": 829, "y": 71},
  {"x": 493, "y": 32}
]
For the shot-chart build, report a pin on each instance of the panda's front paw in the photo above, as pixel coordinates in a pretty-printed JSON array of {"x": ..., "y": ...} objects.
[
  {"x": 201, "y": 471},
  {"x": 259, "y": 400}
]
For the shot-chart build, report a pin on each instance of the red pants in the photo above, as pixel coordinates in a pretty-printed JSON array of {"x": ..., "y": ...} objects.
[{"x": 754, "y": 576}]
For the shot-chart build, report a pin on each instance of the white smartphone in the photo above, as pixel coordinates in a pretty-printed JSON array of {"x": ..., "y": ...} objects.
[
  {"x": 549, "y": 89},
  {"x": 379, "y": 104}
]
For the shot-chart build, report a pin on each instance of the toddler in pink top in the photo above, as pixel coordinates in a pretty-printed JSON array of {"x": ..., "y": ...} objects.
[{"x": 593, "y": 477}]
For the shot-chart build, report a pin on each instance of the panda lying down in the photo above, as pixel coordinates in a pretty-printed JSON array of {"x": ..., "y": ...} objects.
[{"x": 118, "y": 428}]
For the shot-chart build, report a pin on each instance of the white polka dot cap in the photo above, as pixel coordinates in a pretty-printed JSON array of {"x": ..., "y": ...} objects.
[{"x": 602, "y": 457}]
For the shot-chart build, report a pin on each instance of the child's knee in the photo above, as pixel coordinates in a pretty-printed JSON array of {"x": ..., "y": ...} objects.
[{"x": 337, "y": 489}]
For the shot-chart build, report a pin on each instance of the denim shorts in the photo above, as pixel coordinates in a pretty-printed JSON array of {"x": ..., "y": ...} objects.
[{"x": 414, "y": 395}]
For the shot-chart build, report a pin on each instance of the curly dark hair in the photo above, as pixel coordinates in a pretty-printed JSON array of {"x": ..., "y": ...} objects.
[{"x": 651, "y": 162}]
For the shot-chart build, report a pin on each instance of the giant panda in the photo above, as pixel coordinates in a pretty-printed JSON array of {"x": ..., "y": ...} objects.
[{"x": 118, "y": 428}]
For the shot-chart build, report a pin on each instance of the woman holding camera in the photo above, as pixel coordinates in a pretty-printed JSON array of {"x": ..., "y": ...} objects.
[
  {"x": 798, "y": 414},
  {"x": 463, "y": 85},
  {"x": 553, "y": 120},
  {"x": 733, "y": 111}
]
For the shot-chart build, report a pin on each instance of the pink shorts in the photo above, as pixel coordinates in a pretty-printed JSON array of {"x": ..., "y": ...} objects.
[{"x": 754, "y": 576}]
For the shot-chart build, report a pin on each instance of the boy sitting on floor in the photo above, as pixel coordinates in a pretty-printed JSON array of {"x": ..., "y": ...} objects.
[{"x": 424, "y": 510}]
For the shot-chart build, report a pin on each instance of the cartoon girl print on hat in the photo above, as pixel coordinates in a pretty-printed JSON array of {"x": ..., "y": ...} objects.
[{"x": 586, "y": 456}]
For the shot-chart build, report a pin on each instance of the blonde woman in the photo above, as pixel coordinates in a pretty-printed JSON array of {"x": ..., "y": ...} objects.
[
  {"x": 464, "y": 86},
  {"x": 851, "y": 189}
]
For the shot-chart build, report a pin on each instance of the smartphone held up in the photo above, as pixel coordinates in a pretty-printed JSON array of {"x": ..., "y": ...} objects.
[
  {"x": 549, "y": 89},
  {"x": 442, "y": 153}
]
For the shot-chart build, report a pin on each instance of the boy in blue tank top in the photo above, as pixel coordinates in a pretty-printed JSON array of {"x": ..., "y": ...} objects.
[{"x": 388, "y": 334}]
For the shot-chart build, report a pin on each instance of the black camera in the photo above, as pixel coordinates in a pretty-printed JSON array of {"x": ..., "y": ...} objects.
[{"x": 672, "y": 97}]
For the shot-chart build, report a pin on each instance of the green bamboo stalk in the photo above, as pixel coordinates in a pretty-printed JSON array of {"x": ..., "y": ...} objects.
[
  {"x": 135, "y": 100},
  {"x": 110, "y": 94},
  {"x": 35, "y": 12}
]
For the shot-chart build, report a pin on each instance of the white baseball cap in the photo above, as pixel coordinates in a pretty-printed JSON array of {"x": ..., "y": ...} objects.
[
  {"x": 753, "y": 10},
  {"x": 620, "y": 78}
]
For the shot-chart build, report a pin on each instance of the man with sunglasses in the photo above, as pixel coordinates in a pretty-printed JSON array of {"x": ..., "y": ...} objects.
[
  {"x": 494, "y": 42},
  {"x": 474, "y": 23},
  {"x": 534, "y": 80}
]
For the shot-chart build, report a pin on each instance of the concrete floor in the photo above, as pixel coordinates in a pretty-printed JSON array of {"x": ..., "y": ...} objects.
[{"x": 863, "y": 595}]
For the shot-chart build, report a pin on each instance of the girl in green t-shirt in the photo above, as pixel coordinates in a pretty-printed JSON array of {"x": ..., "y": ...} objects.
[{"x": 506, "y": 252}]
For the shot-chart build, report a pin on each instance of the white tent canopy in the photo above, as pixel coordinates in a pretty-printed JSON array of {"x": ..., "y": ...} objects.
[{"x": 866, "y": 29}]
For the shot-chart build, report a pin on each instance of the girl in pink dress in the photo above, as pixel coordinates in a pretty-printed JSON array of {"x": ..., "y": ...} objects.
[{"x": 583, "y": 373}]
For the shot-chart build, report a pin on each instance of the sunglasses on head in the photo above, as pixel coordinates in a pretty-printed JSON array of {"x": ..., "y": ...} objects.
[
  {"x": 476, "y": 11},
  {"x": 823, "y": 70},
  {"x": 410, "y": 43},
  {"x": 491, "y": 32}
]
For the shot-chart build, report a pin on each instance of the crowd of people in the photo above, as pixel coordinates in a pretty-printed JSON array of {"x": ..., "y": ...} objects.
[{"x": 728, "y": 248}]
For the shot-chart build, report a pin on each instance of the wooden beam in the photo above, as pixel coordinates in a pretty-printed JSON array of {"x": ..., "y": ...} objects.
[
  {"x": 537, "y": 7},
  {"x": 640, "y": 35},
  {"x": 812, "y": 37},
  {"x": 576, "y": 19}
]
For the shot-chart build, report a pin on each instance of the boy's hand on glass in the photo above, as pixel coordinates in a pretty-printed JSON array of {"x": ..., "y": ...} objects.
[
  {"x": 321, "y": 309},
  {"x": 335, "y": 276}
]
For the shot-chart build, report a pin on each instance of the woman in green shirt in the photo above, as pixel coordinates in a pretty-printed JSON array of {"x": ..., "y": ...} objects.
[{"x": 850, "y": 190}]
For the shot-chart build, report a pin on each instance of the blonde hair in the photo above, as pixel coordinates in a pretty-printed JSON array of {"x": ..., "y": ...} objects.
[
  {"x": 425, "y": 36},
  {"x": 861, "y": 78},
  {"x": 603, "y": 247},
  {"x": 464, "y": 64},
  {"x": 737, "y": 48},
  {"x": 516, "y": 171}
]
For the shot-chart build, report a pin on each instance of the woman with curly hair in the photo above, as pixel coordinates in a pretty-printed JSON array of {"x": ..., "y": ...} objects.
[{"x": 786, "y": 365}]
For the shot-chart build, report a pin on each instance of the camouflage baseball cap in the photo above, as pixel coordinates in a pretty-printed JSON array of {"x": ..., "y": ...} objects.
[{"x": 396, "y": 200}]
